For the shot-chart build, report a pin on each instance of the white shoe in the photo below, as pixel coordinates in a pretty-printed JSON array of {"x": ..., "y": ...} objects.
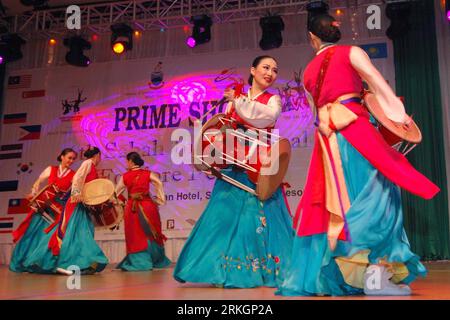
[
  {"x": 377, "y": 283},
  {"x": 64, "y": 271}
]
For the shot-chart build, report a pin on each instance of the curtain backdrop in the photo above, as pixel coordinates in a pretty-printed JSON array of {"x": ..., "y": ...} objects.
[{"x": 417, "y": 79}]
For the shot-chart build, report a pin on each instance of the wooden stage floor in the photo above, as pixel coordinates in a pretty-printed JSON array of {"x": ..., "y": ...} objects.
[{"x": 159, "y": 285}]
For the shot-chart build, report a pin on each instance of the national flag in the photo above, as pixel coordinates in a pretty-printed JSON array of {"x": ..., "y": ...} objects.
[
  {"x": 18, "y": 206},
  {"x": 376, "y": 50},
  {"x": 31, "y": 132},
  {"x": 14, "y": 118},
  {"x": 10, "y": 185},
  {"x": 6, "y": 225},
  {"x": 19, "y": 82},
  {"x": 11, "y": 151},
  {"x": 33, "y": 94}
]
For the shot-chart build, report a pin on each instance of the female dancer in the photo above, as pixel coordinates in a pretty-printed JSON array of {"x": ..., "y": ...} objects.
[
  {"x": 239, "y": 241},
  {"x": 350, "y": 236},
  {"x": 73, "y": 242},
  {"x": 33, "y": 234},
  {"x": 143, "y": 235}
]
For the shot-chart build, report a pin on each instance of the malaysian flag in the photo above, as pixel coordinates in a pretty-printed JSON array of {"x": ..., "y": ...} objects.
[{"x": 19, "y": 82}]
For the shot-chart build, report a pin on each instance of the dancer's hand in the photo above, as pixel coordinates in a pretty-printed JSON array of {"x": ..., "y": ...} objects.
[
  {"x": 229, "y": 94},
  {"x": 76, "y": 199}
]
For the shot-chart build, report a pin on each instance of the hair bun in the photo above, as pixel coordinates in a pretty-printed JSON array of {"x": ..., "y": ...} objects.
[
  {"x": 135, "y": 158},
  {"x": 326, "y": 28},
  {"x": 92, "y": 151}
]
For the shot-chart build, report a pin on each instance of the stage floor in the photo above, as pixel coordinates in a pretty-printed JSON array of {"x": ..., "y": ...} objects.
[{"x": 159, "y": 285}]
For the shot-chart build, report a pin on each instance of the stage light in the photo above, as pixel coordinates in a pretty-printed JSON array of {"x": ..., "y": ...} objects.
[
  {"x": 75, "y": 55},
  {"x": 118, "y": 48},
  {"x": 52, "y": 42},
  {"x": 10, "y": 47},
  {"x": 137, "y": 33},
  {"x": 339, "y": 12},
  {"x": 447, "y": 9},
  {"x": 1, "y": 60},
  {"x": 94, "y": 37},
  {"x": 271, "y": 26},
  {"x": 190, "y": 41},
  {"x": 121, "y": 38},
  {"x": 398, "y": 13},
  {"x": 201, "y": 32}
]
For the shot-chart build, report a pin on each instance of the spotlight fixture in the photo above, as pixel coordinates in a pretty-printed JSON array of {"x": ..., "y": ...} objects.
[
  {"x": 447, "y": 10},
  {"x": 121, "y": 38},
  {"x": 10, "y": 47},
  {"x": 75, "y": 56},
  {"x": 201, "y": 32},
  {"x": 190, "y": 41},
  {"x": 271, "y": 26},
  {"x": 398, "y": 13}
]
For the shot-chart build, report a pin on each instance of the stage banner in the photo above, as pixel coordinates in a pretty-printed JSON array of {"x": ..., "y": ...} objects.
[{"x": 143, "y": 106}]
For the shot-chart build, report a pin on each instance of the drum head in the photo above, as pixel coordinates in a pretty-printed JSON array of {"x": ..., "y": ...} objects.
[
  {"x": 269, "y": 183},
  {"x": 409, "y": 133},
  {"x": 97, "y": 191},
  {"x": 198, "y": 142}
]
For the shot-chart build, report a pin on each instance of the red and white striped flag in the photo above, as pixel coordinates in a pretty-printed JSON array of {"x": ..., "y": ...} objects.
[{"x": 19, "y": 82}]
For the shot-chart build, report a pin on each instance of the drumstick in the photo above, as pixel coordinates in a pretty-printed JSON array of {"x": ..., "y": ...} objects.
[
  {"x": 213, "y": 108},
  {"x": 226, "y": 178},
  {"x": 47, "y": 218}
]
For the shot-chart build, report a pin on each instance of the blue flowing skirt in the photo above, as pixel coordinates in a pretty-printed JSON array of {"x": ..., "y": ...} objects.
[
  {"x": 152, "y": 257},
  {"x": 31, "y": 253},
  {"x": 375, "y": 225},
  {"x": 79, "y": 247},
  {"x": 239, "y": 241}
]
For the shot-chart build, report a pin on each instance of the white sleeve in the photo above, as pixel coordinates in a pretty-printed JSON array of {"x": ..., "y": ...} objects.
[
  {"x": 389, "y": 102},
  {"x": 120, "y": 187},
  {"x": 80, "y": 177},
  {"x": 159, "y": 190},
  {"x": 43, "y": 176},
  {"x": 256, "y": 113}
]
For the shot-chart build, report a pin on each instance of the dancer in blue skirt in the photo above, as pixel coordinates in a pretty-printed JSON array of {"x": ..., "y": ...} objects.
[
  {"x": 33, "y": 234},
  {"x": 240, "y": 241},
  {"x": 74, "y": 242}
]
